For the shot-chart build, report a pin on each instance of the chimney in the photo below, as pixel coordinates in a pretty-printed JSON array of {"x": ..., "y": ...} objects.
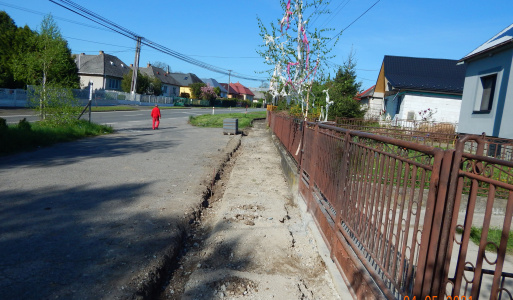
[
  {"x": 149, "y": 65},
  {"x": 101, "y": 52},
  {"x": 82, "y": 53},
  {"x": 131, "y": 65}
]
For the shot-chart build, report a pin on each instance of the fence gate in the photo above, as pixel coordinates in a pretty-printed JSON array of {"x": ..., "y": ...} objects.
[{"x": 406, "y": 210}]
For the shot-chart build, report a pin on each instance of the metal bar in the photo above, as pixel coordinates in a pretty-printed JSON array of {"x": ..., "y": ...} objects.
[
  {"x": 483, "y": 242},
  {"x": 501, "y": 254}
]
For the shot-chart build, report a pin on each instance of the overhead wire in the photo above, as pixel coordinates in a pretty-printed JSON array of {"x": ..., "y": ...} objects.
[
  {"x": 84, "y": 12},
  {"x": 337, "y": 35}
]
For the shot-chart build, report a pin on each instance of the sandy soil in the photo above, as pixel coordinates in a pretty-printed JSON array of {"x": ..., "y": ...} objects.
[{"x": 251, "y": 243}]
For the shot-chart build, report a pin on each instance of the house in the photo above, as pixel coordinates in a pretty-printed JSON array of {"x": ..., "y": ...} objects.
[
  {"x": 374, "y": 107},
  {"x": 232, "y": 93},
  {"x": 213, "y": 83},
  {"x": 244, "y": 92},
  {"x": 411, "y": 87},
  {"x": 170, "y": 87},
  {"x": 259, "y": 93},
  {"x": 104, "y": 70},
  {"x": 488, "y": 92},
  {"x": 185, "y": 80}
]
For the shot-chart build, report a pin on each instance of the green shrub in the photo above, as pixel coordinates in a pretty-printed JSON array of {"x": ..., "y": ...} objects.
[
  {"x": 24, "y": 125},
  {"x": 3, "y": 124}
]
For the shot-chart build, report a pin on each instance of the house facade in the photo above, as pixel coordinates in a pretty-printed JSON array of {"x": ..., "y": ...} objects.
[
  {"x": 213, "y": 83},
  {"x": 373, "y": 105},
  {"x": 244, "y": 92},
  {"x": 185, "y": 80},
  {"x": 487, "y": 103},
  {"x": 231, "y": 92},
  {"x": 170, "y": 87},
  {"x": 411, "y": 88},
  {"x": 104, "y": 70}
]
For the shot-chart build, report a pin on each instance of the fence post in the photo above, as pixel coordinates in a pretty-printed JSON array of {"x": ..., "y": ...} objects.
[
  {"x": 313, "y": 167},
  {"x": 342, "y": 187}
]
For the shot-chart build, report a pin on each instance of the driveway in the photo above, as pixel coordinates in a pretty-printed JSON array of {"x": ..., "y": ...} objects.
[{"x": 89, "y": 219}]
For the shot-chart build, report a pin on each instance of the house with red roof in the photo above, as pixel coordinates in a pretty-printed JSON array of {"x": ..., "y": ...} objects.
[
  {"x": 232, "y": 93},
  {"x": 239, "y": 91}
]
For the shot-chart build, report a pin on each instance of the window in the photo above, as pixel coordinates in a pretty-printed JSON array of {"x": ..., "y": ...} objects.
[
  {"x": 488, "y": 91},
  {"x": 113, "y": 84}
]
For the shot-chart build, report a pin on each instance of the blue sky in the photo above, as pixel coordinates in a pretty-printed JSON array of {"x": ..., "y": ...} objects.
[{"x": 224, "y": 33}]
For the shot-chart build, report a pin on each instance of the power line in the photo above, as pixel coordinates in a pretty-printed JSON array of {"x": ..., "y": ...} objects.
[
  {"x": 84, "y": 12},
  {"x": 354, "y": 21},
  {"x": 44, "y": 14}
]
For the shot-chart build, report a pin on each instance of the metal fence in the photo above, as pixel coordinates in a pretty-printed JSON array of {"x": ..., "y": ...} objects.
[
  {"x": 20, "y": 98},
  {"x": 441, "y": 134},
  {"x": 406, "y": 210}
]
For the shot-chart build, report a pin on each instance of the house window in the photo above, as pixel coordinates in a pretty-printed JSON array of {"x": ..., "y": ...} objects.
[
  {"x": 113, "y": 84},
  {"x": 488, "y": 92}
]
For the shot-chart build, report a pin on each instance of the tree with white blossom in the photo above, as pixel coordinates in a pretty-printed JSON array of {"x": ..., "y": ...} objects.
[{"x": 296, "y": 52}]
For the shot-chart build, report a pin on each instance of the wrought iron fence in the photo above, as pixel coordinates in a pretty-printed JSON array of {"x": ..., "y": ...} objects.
[{"x": 398, "y": 206}]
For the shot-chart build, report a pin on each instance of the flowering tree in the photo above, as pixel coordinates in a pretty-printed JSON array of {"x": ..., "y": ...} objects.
[
  {"x": 296, "y": 53},
  {"x": 208, "y": 93}
]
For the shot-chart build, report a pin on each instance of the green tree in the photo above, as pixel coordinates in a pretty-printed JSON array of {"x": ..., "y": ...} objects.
[
  {"x": 143, "y": 83},
  {"x": 7, "y": 34},
  {"x": 196, "y": 89},
  {"x": 48, "y": 59},
  {"x": 47, "y": 62},
  {"x": 342, "y": 91}
]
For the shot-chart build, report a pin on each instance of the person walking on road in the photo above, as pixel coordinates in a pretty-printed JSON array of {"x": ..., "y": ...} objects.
[{"x": 155, "y": 115}]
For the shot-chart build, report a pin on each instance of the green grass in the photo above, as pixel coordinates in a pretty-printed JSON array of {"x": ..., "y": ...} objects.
[
  {"x": 14, "y": 139},
  {"x": 209, "y": 120},
  {"x": 112, "y": 108},
  {"x": 494, "y": 235}
]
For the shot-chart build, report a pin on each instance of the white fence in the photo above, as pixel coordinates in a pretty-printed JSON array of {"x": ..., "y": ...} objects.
[{"x": 20, "y": 98}]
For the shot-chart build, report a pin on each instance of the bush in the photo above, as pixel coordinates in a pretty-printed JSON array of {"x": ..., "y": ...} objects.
[
  {"x": 24, "y": 125},
  {"x": 3, "y": 124}
]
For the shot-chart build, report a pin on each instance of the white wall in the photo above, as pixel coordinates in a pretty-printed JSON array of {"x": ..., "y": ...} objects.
[
  {"x": 98, "y": 81},
  {"x": 447, "y": 108},
  {"x": 374, "y": 105}
]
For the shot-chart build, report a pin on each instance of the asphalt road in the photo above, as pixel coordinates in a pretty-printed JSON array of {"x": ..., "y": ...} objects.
[
  {"x": 123, "y": 119},
  {"x": 87, "y": 219}
]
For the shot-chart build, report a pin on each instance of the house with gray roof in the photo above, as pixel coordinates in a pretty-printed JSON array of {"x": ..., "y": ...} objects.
[
  {"x": 488, "y": 92},
  {"x": 170, "y": 87},
  {"x": 213, "y": 83},
  {"x": 104, "y": 70},
  {"x": 408, "y": 87},
  {"x": 185, "y": 80}
]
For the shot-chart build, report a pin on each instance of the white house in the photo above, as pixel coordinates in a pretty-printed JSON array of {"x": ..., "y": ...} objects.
[
  {"x": 408, "y": 88},
  {"x": 488, "y": 93},
  {"x": 104, "y": 70}
]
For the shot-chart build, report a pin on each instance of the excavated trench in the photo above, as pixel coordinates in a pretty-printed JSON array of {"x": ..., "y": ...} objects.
[{"x": 170, "y": 275}]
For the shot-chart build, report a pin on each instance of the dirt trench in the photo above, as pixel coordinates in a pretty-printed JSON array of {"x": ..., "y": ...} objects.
[{"x": 248, "y": 240}]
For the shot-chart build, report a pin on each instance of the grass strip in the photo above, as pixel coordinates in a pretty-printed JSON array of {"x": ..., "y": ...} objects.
[
  {"x": 113, "y": 108},
  {"x": 494, "y": 235},
  {"x": 14, "y": 139},
  {"x": 216, "y": 121}
]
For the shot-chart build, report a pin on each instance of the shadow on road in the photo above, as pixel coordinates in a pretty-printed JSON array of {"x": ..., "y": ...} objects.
[
  {"x": 69, "y": 153},
  {"x": 76, "y": 242}
]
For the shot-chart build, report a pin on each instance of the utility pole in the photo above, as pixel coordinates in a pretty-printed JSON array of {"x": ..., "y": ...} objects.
[
  {"x": 133, "y": 85},
  {"x": 229, "y": 74}
]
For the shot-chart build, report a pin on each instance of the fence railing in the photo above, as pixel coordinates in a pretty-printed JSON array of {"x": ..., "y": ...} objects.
[
  {"x": 20, "y": 98},
  {"x": 404, "y": 208},
  {"x": 440, "y": 134}
]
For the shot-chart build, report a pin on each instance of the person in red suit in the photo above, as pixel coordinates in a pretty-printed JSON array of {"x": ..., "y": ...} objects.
[{"x": 155, "y": 115}]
